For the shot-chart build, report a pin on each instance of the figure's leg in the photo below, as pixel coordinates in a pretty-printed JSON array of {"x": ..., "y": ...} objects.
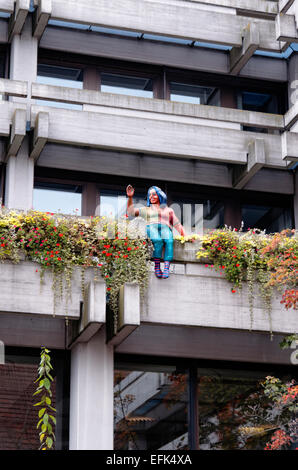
[
  {"x": 168, "y": 239},
  {"x": 154, "y": 234}
]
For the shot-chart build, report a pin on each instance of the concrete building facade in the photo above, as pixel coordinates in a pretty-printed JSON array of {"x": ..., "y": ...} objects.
[{"x": 199, "y": 97}]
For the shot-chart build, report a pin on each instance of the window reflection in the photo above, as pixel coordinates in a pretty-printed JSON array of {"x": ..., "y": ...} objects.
[
  {"x": 64, "y": 199},
  {"x": 194, "y": 94},
  {"x": 150, "y": 410},
  {"x": 271, "y": 219},
  {"x": 199, "y": 216},
  {"x": 113, "y": 204},
  {"x": 234, "y": 412},
  {"x": 126, "y": 85},
  {"x": 59, "y": 76}
]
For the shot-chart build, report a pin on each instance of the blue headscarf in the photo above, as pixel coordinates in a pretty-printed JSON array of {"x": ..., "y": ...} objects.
[{"x": 161, "y": 196}]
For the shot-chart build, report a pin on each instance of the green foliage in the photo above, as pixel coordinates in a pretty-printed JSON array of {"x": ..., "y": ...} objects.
[
  {"x": 46, "y": 413},
  {"x": 117, "y": 251},
  {"x": 263, "y": 261}
]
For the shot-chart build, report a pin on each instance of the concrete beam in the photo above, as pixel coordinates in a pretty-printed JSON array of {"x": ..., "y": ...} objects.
[
  {"x": 291, "y": 116},
  {"x": 290, "y": 146},
  {"x": 158, "y": 53},
  {"x": 7, "y": 6},
  {"x": 7, "y": 111},
  {"x": 210, "y": 302},
  {"x": 261, "y": 8},
  {"x": 18, "y": 18},
  {"x": 286, "y": 28},
  {"x": 22, "y": 292},
  {"x": 128, "y": 316},
  {"x": 93, "y": 314},
  {"x": 160, "y": 18},
  {"x": 256, "y": 159},
  {"x": 174, "y": 136},
  {"x": 13, "y": 87},
  {"x": 18, "y": 132},
  {"x": 239, "y": 56},
  {"x": 42, "y": 15},
  {"x": 40, "y": 134},
  {"x": 208, "y": 113},
  {"x": 284, "y": 5}
]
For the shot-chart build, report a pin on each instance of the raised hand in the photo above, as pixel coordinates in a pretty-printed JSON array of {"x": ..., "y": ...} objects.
[{"x": 130, "y": 191}]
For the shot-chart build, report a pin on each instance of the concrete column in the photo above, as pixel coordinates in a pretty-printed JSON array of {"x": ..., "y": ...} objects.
[
  {"x": 19, "y": 179},
  {"x": 91, "y": 395},
  {"x": 20, "y": 168},
  {"x": 23, "y": 59}
]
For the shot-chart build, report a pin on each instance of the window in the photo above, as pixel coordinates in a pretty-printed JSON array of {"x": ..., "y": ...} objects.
[
  {"x": 126, "y": 85},
  {"x": 234, "y": 412},
  {"x": 150, "y": 409},
  {"x": 113, "y": 204},
  {"x": 194, "y": 94},
  {"x": 59, "y": 76},
  {"x": 271, "y": 219},
  {"x": 52, "y": 197},
  {"x": 200, "y": 215}
]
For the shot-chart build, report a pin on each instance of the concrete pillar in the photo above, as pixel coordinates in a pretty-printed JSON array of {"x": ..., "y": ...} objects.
[
  {"x": 20, "y": 168},
  {"x": 19, "y": 179},
  {"x": 23, "y": 60},
  {"x": 91, "y": 395}
]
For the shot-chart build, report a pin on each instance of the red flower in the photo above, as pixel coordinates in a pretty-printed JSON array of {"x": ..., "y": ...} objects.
[
  {"x": 237, "y": 265},
  {"x": 129, "y": 248},
  {"x": 59, "y": 259},
  {"x": 60, "y": 234},
  {"x": 233, "y": 291}
]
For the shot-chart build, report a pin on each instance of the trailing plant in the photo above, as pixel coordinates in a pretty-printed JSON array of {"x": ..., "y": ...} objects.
[
  {"x": 266, "y": 261},
  {"x": 46, "y": 411},
  {"x": 116, "y": 250}
]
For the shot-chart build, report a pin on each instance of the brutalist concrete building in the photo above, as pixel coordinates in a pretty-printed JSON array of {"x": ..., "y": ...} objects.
[{"x": 198, "y": 97}]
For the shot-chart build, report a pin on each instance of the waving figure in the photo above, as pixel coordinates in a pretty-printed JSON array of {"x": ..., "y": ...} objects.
[{"x": 160, "y": 220}]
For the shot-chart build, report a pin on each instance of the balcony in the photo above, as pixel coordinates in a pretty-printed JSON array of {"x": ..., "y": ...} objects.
[{"x": 192, "y": 309}]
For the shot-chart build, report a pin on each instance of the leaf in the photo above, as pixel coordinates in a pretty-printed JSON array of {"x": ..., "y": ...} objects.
[
  {"x": 38, "y": 424},
  {"x": 48, "y": 401},
  {"x": 46, "y": 383},
  {"x": 46, "y": 419},
  {"x": 41, "y": 412},
  {"x": 49, "y": 442},
  {"x": 53, "y": 419}
]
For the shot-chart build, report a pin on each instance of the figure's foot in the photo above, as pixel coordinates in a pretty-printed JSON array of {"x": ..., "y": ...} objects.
[
  {"x": 166, "y": 271},
  {"x": 157, "y": 270}
]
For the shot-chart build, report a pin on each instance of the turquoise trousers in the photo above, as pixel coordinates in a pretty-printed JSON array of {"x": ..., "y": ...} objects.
[{"x": 161, "y": 236}]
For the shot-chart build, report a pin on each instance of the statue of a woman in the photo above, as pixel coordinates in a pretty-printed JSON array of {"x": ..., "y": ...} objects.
[{"x": 160, "y": 220}]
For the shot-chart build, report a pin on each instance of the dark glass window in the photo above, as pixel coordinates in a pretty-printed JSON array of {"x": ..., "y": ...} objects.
[
  {"x": 58, "y": 198},
  {"x": 126, "y": 85},
  {"x": 200, "y": 215},
  {"x": 196, "y": 94},
  {"x": 271, "y": 219},
  {"x": 150, "y": 409}
]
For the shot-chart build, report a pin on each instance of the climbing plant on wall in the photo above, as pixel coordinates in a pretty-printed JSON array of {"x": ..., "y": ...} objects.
[{"x": 46, "y": 412}]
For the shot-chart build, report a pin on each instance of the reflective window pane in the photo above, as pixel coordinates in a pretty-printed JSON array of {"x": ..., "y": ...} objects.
[
  {"x": 198, "y": 216},
  {"x": 126, "y": 85},
  {"x": 194, "y": 94},
  {"x": 64, "y": 199},
  {"x": 59, "y": 76},
  {"x": 234, "y": 411},
  {"x": 113, "y": 204},
  {"x": 150, "y": 410},
  {"x": 271, "y": 219}
]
